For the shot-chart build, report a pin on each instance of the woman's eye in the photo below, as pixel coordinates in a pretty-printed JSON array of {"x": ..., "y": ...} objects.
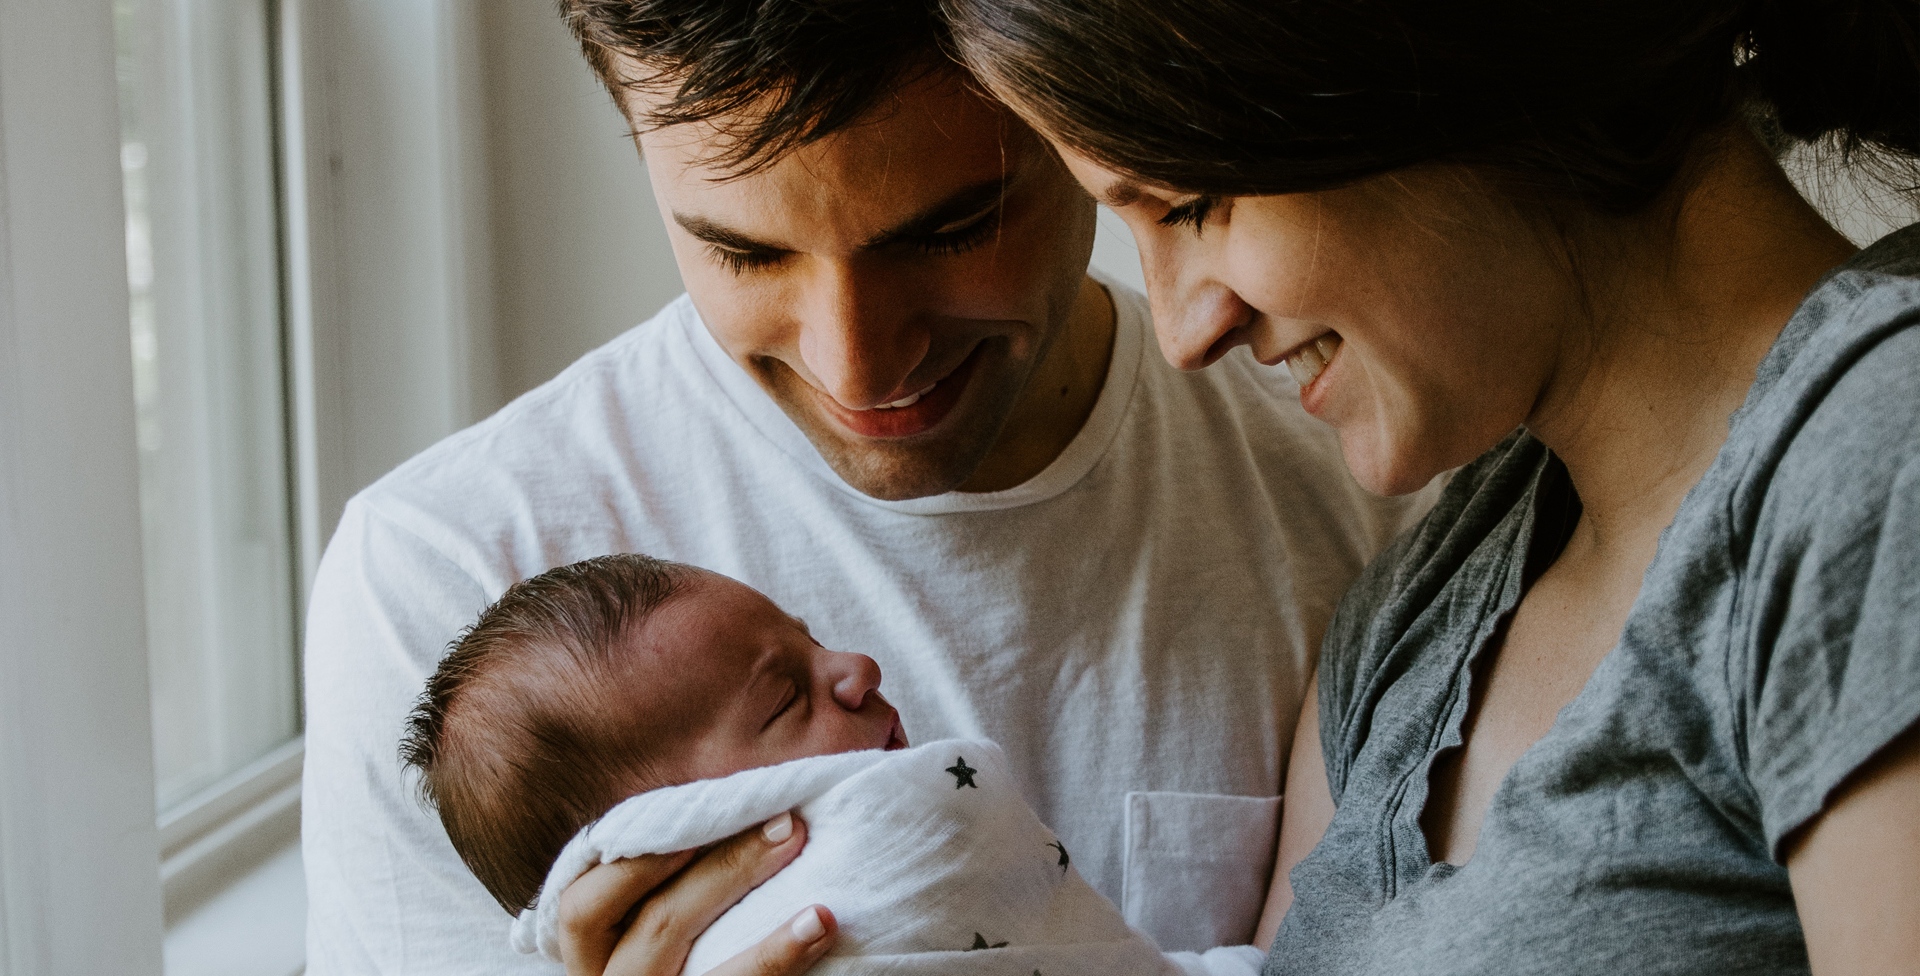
[
  {"x": 961, "y": 239},
  {"x": 1192, "y": 213},
  {"x": 741, "y": 262}
]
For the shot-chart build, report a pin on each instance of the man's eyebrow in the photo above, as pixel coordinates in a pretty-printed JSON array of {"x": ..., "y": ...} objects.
[
  {"x": 964, "y": 202},
  {"x": 1120, "y": 193},
  {"x": 720, "y": 235}
]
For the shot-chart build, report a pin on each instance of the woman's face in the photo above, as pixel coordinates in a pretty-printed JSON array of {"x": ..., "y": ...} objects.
[{"x": 1422, "y": 319}]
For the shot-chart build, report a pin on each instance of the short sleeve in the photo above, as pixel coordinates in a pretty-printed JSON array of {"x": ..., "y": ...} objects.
[{"x": 1834, "y": 617}]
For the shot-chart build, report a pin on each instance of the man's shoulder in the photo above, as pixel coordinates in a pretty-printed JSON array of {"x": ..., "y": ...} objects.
[
  {"x": 638, "y": 374},
  {"x": 603, "y": 426}
]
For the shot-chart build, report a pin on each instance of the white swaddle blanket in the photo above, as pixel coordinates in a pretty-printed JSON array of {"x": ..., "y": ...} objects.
[{"x": 928, "y": 857}]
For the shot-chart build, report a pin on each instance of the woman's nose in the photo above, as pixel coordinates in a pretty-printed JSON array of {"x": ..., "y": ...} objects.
[
  {"x": 1199, "y": 324},
  {"x": 854, "y": 677},
  {"x": 1196, "y": 316}
]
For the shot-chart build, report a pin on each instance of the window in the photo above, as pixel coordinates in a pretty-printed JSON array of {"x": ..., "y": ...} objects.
[{"x": 198, "y": 157}]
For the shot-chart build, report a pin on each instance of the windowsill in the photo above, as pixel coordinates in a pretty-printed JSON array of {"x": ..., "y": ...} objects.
[
  {"x": 235, "y": 891},
  {"x": 256, "y": 926}
]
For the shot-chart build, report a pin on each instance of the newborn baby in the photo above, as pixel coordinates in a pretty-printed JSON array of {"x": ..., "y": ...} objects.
[{"x": 626, "y": 705}]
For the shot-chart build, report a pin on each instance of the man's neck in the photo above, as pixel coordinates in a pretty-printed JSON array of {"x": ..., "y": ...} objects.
[{"x": 1058, "y": 399}]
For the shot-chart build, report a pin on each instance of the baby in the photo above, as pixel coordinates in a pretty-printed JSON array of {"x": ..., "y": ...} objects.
[{"x": 627, "y": 705}]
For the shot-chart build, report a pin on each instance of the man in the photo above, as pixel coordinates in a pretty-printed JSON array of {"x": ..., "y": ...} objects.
[{"x": 895, "y": 403}]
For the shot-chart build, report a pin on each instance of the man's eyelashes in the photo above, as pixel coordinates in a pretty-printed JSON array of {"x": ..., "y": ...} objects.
[
  {"x": 955, "y": 241},
  {"x": 961, "y": 239},
  {"x": 741, "y": 262}
]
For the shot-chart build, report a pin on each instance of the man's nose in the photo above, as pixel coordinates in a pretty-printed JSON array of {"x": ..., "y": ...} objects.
[
  {"x": 860, "y": 335},
  {"x": 855, "y": 677}
]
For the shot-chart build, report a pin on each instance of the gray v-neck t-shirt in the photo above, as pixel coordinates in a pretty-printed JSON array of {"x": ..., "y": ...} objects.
[{"x": 1773, "y": 649}]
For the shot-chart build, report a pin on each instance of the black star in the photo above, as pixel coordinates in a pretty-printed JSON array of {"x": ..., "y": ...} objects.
[
  {"x": 1062, "y": 848},
  {"x": 962, "y": 773},
  {"x": 980, "y": 941}
]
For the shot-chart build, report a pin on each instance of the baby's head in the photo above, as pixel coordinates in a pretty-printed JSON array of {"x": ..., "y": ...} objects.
[{"x": 596, "y": 681}]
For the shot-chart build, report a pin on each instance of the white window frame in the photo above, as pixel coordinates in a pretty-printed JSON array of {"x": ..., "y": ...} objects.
[{"x": 389, "y": 335}]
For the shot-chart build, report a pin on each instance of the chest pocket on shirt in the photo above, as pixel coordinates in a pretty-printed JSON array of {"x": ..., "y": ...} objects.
[{"x": 1197, "y": 866}]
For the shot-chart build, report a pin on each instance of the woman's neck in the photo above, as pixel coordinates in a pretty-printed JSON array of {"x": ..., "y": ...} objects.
[{"x": 1683, "y": 309}]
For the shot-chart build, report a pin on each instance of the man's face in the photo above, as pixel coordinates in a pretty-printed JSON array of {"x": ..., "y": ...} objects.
[{"x": 896, "y": 286}]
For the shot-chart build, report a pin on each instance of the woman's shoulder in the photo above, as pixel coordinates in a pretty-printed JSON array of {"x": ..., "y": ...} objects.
[
  {"x": 1825, "y": 522},
  {"x": 1835, "y": 416}
]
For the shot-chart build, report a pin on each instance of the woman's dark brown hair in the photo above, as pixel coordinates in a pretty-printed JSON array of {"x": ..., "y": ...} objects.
[{"x": 1598, "y": 102}]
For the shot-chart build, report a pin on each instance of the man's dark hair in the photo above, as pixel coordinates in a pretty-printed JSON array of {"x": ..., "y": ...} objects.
[
  {"x": 515, "y": 742},
  {"x": 1599, "y": 102},
  {"x": 774, "y": 75}
]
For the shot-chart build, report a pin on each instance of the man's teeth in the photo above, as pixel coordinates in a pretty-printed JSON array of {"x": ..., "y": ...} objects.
[
  {"x": 908, "y": 401},
  {"x": 1306, "y": 364}
]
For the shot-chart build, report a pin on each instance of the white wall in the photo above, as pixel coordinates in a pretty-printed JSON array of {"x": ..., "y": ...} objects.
[{"x": 579, "y": 251}]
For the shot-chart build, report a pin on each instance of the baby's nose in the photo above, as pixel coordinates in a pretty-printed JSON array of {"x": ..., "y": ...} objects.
[{"x": 859, "y": 676}]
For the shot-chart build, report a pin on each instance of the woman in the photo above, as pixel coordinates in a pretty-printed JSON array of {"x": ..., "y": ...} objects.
[{"x": 1641, "y": 694}]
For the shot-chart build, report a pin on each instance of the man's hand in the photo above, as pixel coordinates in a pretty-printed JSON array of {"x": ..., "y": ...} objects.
[{"x": 640, "y": 916}]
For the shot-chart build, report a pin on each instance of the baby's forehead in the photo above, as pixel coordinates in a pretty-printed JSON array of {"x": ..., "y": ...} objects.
[{"x": 714, "y": 627}]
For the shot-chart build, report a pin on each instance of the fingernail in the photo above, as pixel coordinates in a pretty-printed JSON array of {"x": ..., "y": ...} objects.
[
  {"x": 808, "y": 926},
  {"x": 778, "y": 829}
]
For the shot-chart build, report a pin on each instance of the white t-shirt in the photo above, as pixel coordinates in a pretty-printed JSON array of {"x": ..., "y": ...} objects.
[{"x": 1135, "y": 625}]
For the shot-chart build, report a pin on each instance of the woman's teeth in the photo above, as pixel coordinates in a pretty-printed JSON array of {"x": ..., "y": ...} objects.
[
  {"x": 1307, "y": 364},
  {"x": 908, "y": 401}
]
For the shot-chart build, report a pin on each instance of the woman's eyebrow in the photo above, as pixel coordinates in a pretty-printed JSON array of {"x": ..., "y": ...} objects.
[{"x": 1120, "y": 193}]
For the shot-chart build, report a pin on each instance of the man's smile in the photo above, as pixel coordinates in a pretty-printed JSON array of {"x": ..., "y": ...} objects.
[{"x": 914, "y": 414}]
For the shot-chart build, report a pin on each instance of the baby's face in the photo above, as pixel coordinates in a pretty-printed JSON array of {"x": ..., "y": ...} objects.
[{"x": 752, "y": 686}]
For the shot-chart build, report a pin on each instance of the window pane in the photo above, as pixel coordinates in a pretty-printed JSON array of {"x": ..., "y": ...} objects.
[{"x": 203, "y": 266}]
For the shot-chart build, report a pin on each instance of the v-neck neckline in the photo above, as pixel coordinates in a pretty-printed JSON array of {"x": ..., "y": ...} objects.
[{"x": 1521, "y": 561}]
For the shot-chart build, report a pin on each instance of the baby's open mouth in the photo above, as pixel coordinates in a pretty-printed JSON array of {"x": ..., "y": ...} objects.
[{"x": 897, "y": 736}]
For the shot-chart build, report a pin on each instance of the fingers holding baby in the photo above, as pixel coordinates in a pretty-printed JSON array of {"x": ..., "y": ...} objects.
[{"x": 640, "y": 916}]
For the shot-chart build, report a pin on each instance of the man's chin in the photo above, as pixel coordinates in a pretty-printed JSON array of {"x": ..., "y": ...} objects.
[
  {"x": 898, "y": 469},
  {"x": 899, "y": 473},
  {"x": 934, "y": 462}
]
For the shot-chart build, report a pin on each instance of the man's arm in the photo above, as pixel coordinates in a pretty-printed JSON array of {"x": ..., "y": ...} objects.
[
  {"x": 1856, "y": 869},
  {"x": 1304, "y": 813},
  {"x": 386, "y": 892}
]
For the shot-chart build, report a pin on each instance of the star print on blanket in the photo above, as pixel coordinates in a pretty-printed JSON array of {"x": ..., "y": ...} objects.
[
  {"x": 915, "y": 868},
  {"x": 962, "y": 775}
]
